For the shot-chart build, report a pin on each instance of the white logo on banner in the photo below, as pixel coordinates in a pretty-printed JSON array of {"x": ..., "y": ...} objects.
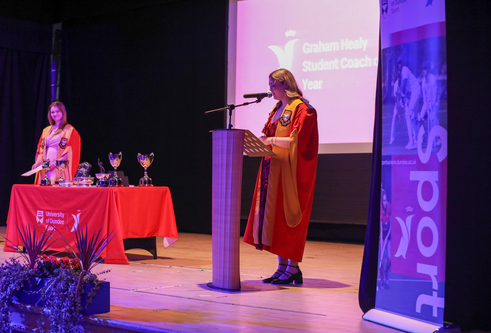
[
  {"x": 405, "y": 237},
  {"x": 384, "y": 7},
  {"x": 285, "y": 57},
  {"x": 40, "y": 217},
  {"x": 53, "y": 219}
]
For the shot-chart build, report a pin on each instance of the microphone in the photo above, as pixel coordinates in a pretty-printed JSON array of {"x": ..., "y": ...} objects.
[{"x": 259, "y": 95}]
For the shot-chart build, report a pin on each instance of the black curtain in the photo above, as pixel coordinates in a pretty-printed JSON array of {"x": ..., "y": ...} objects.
[
  {"x": 139, "y": 81},
  {"x": 25, "y": 49},
  {"x": 468, "y": 260},
  {"x": 368, "y": 278}
]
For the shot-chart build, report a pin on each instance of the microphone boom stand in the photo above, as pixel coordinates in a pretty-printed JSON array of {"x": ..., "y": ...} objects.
[{"x": 231, "y": 108}]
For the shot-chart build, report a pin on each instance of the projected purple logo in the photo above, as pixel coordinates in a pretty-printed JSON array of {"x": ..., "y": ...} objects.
[
  {"x": 285, "y": 55},
  {"x": 290, "y": 33}
]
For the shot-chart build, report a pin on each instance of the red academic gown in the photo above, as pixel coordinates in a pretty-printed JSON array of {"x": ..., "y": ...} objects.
[
  {"x": 287, "y": 239},
  {"x": 68, "y": 147}
]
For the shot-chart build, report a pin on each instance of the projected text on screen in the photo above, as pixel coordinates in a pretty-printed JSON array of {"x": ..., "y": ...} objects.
[{"x": 332, "y": 49}]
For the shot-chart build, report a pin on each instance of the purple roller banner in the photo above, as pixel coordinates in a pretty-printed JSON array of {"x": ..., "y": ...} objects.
[{"x": 411, "y": 268}]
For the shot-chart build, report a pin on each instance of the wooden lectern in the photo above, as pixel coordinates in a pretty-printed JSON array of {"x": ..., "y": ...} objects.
[{"x": 228, "y": 148}]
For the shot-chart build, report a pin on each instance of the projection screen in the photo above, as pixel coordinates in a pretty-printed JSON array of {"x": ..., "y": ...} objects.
[{"x": 332, "y": 49}]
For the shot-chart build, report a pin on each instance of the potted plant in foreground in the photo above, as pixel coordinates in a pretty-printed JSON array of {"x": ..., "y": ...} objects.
[{"x": 65, "y": 288}]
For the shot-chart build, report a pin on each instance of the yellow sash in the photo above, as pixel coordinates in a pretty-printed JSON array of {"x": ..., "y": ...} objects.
[
  {"x": 284, "y": 164},
  {"x": 63, "y": 149}
]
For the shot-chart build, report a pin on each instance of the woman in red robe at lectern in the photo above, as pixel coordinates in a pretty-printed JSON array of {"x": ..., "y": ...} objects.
[
  {"x": 59, "y": 141},
  {"x": 280, "y": 212}
]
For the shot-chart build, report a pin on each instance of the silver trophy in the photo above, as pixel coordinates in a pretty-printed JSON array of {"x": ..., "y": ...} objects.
[
  {"x": 145, "y": 161},
  {"x": 102, "y": 176},
  {"x": 115, "y": 160},
  {"x": 61, "y": 166},
  {"x": 45, "y": 181},
  {"x": 82, "y": 177},
  {"x": 102, "y": 179}
]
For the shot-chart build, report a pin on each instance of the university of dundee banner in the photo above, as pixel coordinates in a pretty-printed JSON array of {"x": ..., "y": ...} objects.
[{"x": 411, "y": 268}]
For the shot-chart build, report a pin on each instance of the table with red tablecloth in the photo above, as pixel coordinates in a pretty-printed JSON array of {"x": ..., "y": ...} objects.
[{"x": 124, "y": 212}]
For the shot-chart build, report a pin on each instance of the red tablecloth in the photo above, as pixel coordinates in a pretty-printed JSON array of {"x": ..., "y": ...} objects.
[{"x": 129, "y": 212}]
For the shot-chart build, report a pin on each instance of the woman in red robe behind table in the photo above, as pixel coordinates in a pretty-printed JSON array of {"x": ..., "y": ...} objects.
[
  {"x": 280, "y": 212},
  {"x": 59, "y": 141}
]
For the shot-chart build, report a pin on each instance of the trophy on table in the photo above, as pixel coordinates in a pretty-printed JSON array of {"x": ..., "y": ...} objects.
[
  {"x": 82, "y": 177},
  {"x": 61, "y": 166},
  {"x": 115, "y": 160},
  {"x": 145, "y": 161},
  {"x": 45, "y": 181},
  {"x": 102, "y": 176}
]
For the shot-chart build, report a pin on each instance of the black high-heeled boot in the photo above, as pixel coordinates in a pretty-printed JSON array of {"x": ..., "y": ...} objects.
[
  {"x": 275, "y": 275},
  {"x": 297, "y": 277}
]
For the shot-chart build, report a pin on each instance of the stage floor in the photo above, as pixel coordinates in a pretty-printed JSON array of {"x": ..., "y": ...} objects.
[{"x": 170, "y": 294}]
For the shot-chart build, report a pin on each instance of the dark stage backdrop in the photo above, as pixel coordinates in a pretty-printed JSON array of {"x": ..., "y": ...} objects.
[
  {"x": 468, "y": 261},
  {"x": 139, "y": 81},
  {"x": 25, "y": 49}
]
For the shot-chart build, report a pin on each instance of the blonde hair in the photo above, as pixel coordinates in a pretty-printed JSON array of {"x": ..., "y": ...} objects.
[
  {"x": 62, "y": 108},
  {"x": 283, "y": 75}
]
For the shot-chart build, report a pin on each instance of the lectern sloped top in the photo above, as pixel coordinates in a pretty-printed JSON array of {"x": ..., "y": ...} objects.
[{"x": 254, "y": 147}]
